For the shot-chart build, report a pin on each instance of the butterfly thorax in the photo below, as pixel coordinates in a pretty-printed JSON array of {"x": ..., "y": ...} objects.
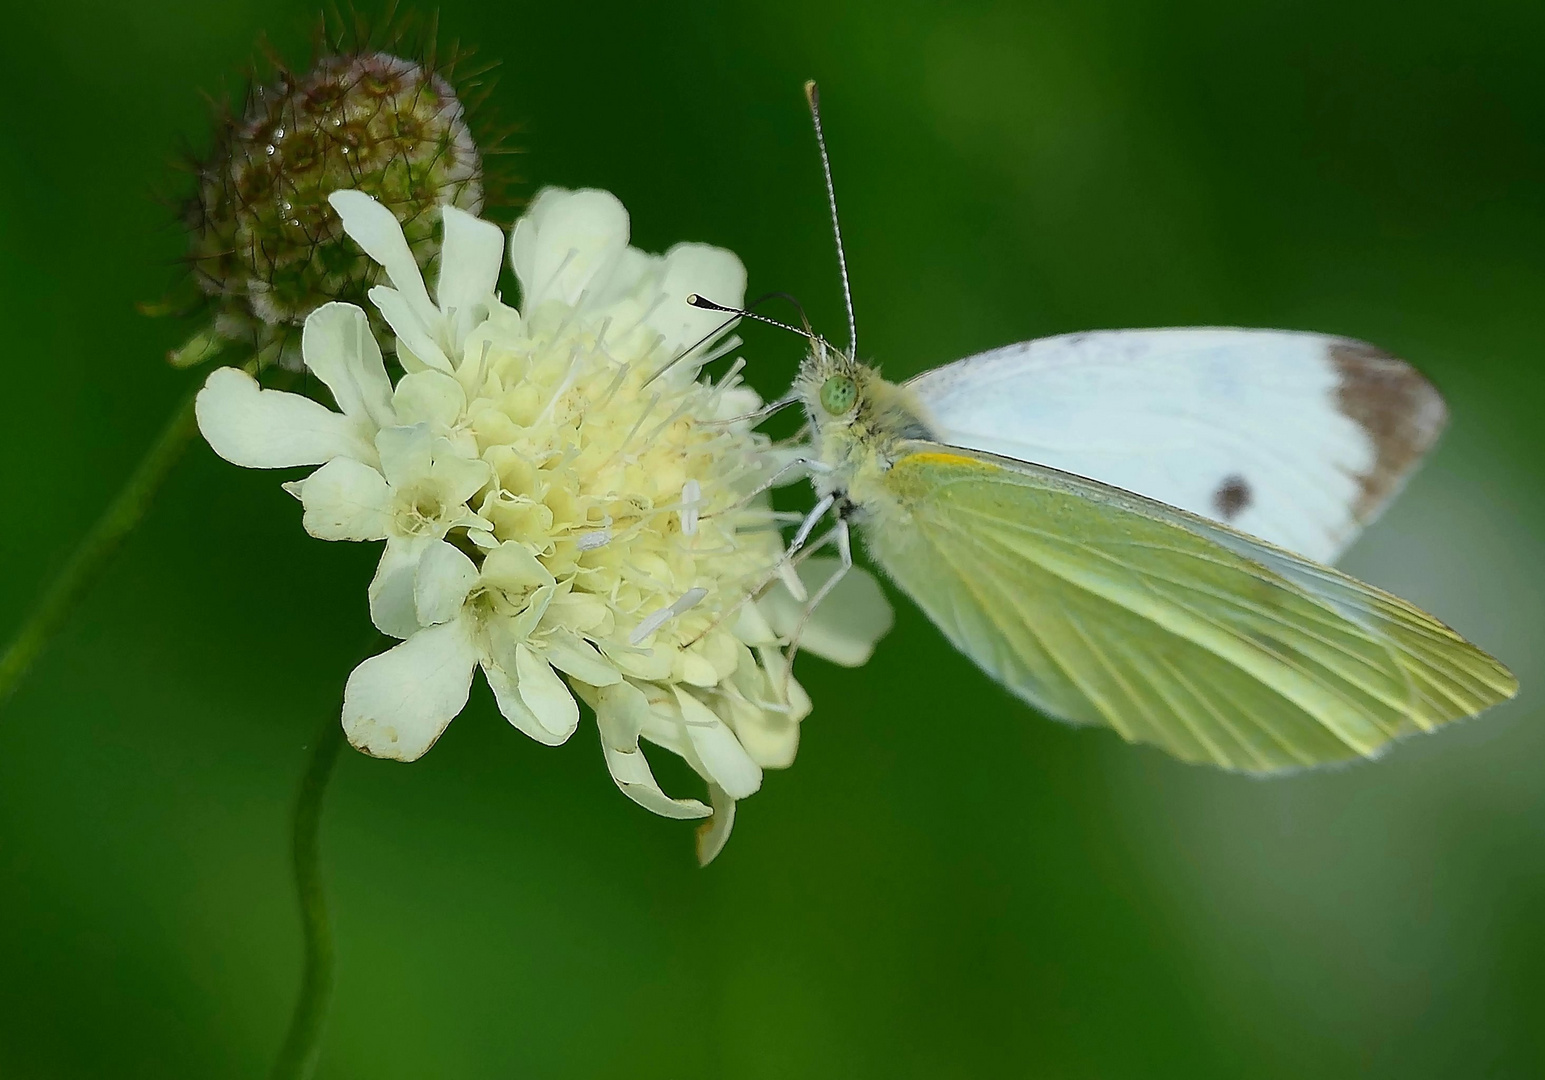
[{"x": 858, "y": 420}]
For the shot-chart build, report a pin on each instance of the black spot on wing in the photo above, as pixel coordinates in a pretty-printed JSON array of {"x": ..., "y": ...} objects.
[{"x": 1233, "y": 497}]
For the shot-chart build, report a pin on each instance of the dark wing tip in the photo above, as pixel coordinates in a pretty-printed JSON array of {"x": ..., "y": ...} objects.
[{"x": 1401, "y": 412}]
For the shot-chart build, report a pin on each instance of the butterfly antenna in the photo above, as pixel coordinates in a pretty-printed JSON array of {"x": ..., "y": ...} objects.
[
  {"x": 742, "y": 313},
  {"x": 690, "y": 349},
  {"x": 734, "y": 313},
  {"x": 790, "y": 299},
  {"x": 813, "y": 96}
]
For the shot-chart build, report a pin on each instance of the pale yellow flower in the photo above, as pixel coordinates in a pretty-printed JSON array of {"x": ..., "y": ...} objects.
[{"x": 564, "y": 507}]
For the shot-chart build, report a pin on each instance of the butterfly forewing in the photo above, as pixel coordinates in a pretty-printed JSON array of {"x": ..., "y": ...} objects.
[
  {"x": 1298, "y": 438},
  {"x": 1102, "y": 607}
]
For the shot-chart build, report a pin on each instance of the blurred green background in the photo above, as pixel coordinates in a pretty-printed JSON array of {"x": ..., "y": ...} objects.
[{"x": 944, "y": 885}]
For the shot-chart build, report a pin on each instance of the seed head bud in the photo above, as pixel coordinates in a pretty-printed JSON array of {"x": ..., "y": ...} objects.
[{"x": 266, "y": 247}]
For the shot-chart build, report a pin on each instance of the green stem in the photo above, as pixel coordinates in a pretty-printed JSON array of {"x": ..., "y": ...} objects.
[
  {"x": 93, "y": 552},
  {"x": 303, "y": 1043}
]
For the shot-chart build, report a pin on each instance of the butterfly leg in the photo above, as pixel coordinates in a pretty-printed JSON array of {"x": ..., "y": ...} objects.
[
  {"x": 844, "y": 564},
  {"x": 759, "y": 415},
  {"x": 752, "y": 593},
  {"x": 785, "y": 567},
  {"x": 807, "y": 526},
  {"x": 771, "y": 482}
]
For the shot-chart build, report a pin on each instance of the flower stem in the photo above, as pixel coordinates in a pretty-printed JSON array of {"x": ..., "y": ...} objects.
[
  {"x": 93, "y": 552},
  {"x": 303, "y": 1043}
]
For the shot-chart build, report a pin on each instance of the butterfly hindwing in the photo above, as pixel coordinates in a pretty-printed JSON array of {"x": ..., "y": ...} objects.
[{"x": 1102, "y": 607}]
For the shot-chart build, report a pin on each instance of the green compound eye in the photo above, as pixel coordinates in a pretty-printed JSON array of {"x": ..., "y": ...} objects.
[{"x": 838, "y": 394}]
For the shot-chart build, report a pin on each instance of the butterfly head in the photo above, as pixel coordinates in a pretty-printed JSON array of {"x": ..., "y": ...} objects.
[
  {"x": 830, "y": 383},
  {"x": 848, "y": 402}
]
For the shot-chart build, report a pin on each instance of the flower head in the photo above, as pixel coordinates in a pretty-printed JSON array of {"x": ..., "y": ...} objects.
[{"x": 566, "y": 505}]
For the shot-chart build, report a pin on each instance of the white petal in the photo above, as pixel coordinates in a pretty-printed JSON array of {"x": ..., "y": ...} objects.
[
  {"x": 338, "y": 346},
  {"x": 849, "y": 621},
  {"x": 405, "y": 357},
  {"x": 457, "y": 477},
  {"x": 507, "y": 694},
  {"x": 723, "y": 758},
  {"x": 782, "y": 686},
  {"x": 713, "y": 834},
  {"x": 429, "y": 397},
  {"x": 662, "y": 726},
  {"x": 797, "y": 701},
  {"x": 270, "y": 429},
  {"x": 413, "y": 330},
  {"x": 579, "y": 612},
  {"x": 708, "y": 271},
  {"x": 566, "y": 242},
  {"x": 572, "y": 654},
  {"x": 391, "y": 590},
  {"x": 788, "y": 575},
  {"x": 695, "y": 669},
  {"x": 739, "y": 401},
  {"x": 633, "y": 284},
  {"x": 376, "y": 229},
  {"x": 512, "y": 568},
  {"x": 635, "y": 780},
  {"x": 771, "y": 738},
  {"x": 545, "y": 694},
  {"x": 651, "y": 665},
  {"x": 621, "y": 711},
  {"x": 397, "y": 704},
  {"x": 469, "y": 269},
  {"x": 522, "y": 626},
  {"x": 406, "y": 453},
  {"x": 441, "y": 582},
  {"x": 343, "y": 500},
  {"x": 751, "y": 626}
]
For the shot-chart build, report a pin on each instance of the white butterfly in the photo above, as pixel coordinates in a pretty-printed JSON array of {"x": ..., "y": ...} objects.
[{"x": 1126, "y": 528}]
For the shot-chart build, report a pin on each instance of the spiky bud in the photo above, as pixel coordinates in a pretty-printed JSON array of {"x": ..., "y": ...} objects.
[{"x": 266, "y": 246}]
